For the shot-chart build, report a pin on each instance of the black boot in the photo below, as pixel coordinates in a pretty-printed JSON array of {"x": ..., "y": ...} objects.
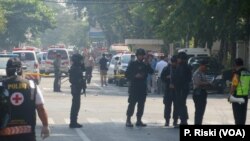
[
  {"x": 167, "y": 122},
  {"x": 75, "y": 125},
  {"x": 175, "y": 122},
  {"x": 129, "y": 123},
  {"x": 140, "y": 123}
]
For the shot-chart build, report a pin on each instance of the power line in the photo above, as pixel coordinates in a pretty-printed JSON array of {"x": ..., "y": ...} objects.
[{"x": 100, "y": 2}]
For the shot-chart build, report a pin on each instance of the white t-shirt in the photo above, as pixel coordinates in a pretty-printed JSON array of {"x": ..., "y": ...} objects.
[
  {"x": 39, "y": 95},
  {"x": 159, "y": 67}
]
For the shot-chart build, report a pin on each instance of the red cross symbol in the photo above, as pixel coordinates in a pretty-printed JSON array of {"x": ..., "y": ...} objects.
[{"x": 17, "y": 99}]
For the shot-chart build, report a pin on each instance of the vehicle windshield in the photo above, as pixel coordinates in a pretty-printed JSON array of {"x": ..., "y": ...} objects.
[
  {"x": 52, "y": 54},
  {"x": 125, "y": 59},
  {"x": 25, "y": 56}
]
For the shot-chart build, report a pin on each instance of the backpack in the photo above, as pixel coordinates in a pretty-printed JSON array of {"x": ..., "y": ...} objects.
[{"x": 5, "y": 106}]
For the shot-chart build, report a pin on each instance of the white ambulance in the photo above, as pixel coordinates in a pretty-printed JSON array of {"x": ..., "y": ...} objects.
[
  {"x": 51, "y": 55},
  {"x": 28, "y": 57}
]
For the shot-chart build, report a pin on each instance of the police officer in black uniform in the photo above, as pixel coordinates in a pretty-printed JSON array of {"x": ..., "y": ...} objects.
[
  {"x": 168, "y": 76},
  {"x": 76, "y": 80},
  {"x": 24, "y": 99},
  {"x": 183, "y": 79},
  {"x": 137, "y": 73}
]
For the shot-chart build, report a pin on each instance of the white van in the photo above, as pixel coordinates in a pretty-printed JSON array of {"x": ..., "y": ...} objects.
[
  {"x": 42, "y": 56},
  {"x": 29, "y": 59},
  {"x": 195, "y": 52},
  {"x": 65, "y": 62},
  {"x": 110, "y": 73}
]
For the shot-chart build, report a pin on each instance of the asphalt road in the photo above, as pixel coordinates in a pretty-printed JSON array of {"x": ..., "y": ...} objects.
[{"x": 103, "y": 114}]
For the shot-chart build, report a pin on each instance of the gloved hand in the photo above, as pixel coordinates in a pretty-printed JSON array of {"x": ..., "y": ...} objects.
[
  {"x": 45, "y": 132},
  {"x": 232, "y": 99}
]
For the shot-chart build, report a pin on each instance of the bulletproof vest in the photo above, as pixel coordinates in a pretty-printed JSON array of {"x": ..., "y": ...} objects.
[
  {"x": 75, "y": 75},
  {"x": 140, "y": 67},
  {"x": 243, "y": 86},
  {"x": 22, "y": 101}
]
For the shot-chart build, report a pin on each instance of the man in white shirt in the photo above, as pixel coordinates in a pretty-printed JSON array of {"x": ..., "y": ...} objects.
[{"x": 158, "y": 69}]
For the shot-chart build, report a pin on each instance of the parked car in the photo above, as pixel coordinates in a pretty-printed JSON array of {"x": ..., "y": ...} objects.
[
  {"x": 42, "y": 61},
  {"x": 111, "y": 64},
  {"x": 121, "y": 80},
  {"x": 213, "y": 73}
]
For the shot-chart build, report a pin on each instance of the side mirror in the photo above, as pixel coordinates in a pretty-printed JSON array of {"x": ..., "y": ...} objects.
[{"x": 119, "y": 63}]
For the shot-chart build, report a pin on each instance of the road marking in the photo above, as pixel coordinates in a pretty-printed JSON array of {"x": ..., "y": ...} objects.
[
  {"x": 78, "y": 131},
  {"x": 82, "y": 135},
  {"x": 93, "y": 120}
]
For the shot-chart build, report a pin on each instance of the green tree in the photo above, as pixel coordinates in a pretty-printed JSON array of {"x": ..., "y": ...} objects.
[
  {"x": 24, "y": 16},
  {"x": 69, "y": 30}
]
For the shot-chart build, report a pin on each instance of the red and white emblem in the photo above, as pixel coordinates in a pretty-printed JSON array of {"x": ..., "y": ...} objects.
[{"x": 17, "y": 98}]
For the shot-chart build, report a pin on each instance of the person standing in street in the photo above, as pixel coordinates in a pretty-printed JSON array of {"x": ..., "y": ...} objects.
[
  {"x": 200, "y": 84},
  {"x": 168, "y": 76},
  {"x": 116, "y": 67},
  {"x": 76, "y": 81},
  {"x": 57, "y": 72},
  {"x": 240, "y": 89},
  {"x": 23, "y": 99},
  {"x": 103, "y": 69},
  {"x": 89, "y": 65},
  {"x": 158, "y": 69},
  {"x": 137, "y": 73},
  {"x": 183, "y": 79}
]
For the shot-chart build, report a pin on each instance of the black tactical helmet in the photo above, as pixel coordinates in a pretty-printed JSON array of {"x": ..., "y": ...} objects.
[
  {"x": 140, "y": 51},
  {"x": 76, "y": 58},
  {"x": 13, "y": 66},
  {"x": 182, "y": 56},
  {"x": 174, "y": 58}
]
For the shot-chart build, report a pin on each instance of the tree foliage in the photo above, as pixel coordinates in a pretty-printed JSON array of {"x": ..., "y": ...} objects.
[
  {"x": 205, "y": 21},
  {"x": 21, "y": 17}
]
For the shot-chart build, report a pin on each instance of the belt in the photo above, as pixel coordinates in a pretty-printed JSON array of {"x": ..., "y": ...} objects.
[{"x": 15, "y": 130}]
